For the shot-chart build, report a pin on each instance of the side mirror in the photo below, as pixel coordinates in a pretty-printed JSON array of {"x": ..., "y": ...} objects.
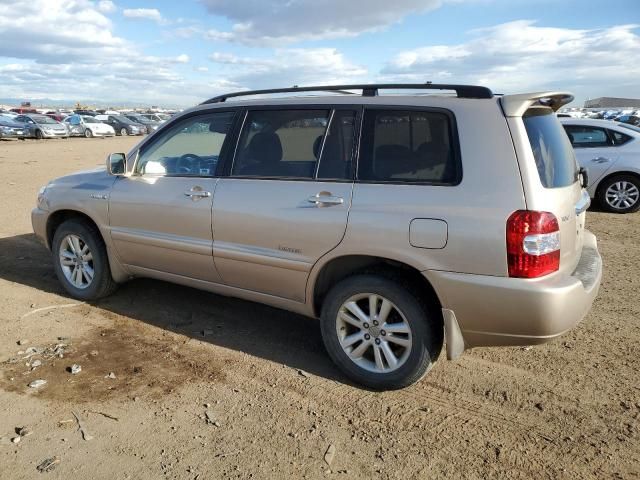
[{"x": 116, "y": 164}]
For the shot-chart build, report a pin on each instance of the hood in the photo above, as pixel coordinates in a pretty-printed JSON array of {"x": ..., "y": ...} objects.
[{"x": 95, "y": 179}]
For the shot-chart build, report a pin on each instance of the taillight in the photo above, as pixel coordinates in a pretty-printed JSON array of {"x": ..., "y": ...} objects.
[{"x": 533, "y": 244}]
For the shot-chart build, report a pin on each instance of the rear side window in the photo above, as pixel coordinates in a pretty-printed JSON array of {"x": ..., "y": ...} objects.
[
  {"x": 408, "y": 146},
  {"x": 584, "y": 136},
  {"x": 555, "y": 160},
  {"x": 281, "y": 143},
  {"x": 619, "y": 138}
]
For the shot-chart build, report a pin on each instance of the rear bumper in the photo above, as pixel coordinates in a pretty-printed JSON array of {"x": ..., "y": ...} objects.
[{"x": 493, "y": 311}]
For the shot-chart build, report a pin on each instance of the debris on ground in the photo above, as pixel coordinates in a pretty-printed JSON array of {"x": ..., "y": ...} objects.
[
  {"x": 110, "y": 375},
  {"x": 48, "y": 465},
  {"x": 37, "y": 383},
  {"x": 35, "y": 363},
  {"x": 330, "y": 454},
  {"x": 302, "y": 373},
  {"x": 104, "y": 415},
  {"x": 75, "y": 369},
  {"x": 22, "y": 342},
  {"x": 211, "y": 418},
  {"x": 16, "y": 439},
  {"x": 24, "y": 431},
  {"x": 85, "y": 434}
]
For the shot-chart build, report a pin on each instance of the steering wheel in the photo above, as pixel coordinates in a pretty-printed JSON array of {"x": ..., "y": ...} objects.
[{"x": 187, "y": 162}]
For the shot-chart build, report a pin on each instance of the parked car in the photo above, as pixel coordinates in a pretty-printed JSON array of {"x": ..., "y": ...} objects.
[
  {"x": 410, "y": 245},
  {"x": 57, "y": 116},
  {"x": 610, "y": 151},
  {"x": 88, "y": 126},
  {"x": 630, "y": 119},
  {"x": 92, "y": 113},
  {"x": 155, "y": 117},
  {"x": 122, "y": 125},
  {"x": 11, "y": 129},
  {"x": 41, "y": 126},
  {"x": 151, "y": 125}
]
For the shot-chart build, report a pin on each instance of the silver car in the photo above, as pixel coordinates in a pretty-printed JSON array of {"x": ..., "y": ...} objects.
[
  {"x": 397, "y": 220},
  {"x": 610, "y": 151},
  {"x": 42, "y": 126}
]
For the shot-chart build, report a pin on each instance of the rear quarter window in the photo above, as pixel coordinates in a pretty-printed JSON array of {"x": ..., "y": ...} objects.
[{"x": 552, "y": 151}]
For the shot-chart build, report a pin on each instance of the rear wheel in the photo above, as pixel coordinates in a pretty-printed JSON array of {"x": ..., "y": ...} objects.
[
  {"x": 39, "y": 135},
  {"x": 80, "y": 261},
  {"x": 379, "y": 333},
  {"x": 88, "y": 133},
  {"x": 620, "y": 194},
  {"x": 123, "y": 132}
]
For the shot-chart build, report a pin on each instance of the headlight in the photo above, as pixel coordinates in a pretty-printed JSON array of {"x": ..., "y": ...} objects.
[{"x": 42, "y": 198}]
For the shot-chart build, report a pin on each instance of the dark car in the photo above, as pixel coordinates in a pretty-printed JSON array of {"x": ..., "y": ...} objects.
[
  {"x": 85, "y": 112},
  {"x": 122, "y": 125},
  {"x": 151, "y": 125},
  {"x": 11, "y": 129},
  {"x": 630, "y": 119}
]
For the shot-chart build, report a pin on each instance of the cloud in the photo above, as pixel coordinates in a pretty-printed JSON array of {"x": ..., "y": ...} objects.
[
  {"x": 288, "y": 67},
  {"x": 106, "y": 6},
  {"x": 521, "y": 55},
  {"x": 184, "y": 58},
  {"x": 274, "y": 22},
  {"x": 143, "y": 14}
]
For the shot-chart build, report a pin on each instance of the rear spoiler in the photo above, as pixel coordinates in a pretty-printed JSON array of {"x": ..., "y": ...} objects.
[{"x": 516, "y": 105}]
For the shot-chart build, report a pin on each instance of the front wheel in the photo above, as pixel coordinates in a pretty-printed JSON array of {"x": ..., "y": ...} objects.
[
  {"x": 88, "y": 133},
  {"x": 39, "y": 135},
  {"x": 123, "y": 132},
  {"x": 80, "y": 261},
  {"x": 379, "y": 333},
  {"x": 620, "y": 194}
]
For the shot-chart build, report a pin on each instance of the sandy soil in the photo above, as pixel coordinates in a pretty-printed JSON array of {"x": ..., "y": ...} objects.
[{"x": 255, "y": 396}]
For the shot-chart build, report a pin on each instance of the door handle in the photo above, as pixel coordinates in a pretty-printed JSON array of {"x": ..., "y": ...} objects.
[
  {"x": 600, "y": 160},
  {"x": 325, "y": 198},
  {"x": 197, "y": 192}
]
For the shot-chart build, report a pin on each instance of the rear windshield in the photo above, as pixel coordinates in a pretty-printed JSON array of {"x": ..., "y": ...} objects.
[{"x": 551, "y": 148}]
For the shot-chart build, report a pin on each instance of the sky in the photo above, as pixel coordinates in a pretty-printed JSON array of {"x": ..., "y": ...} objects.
[{"x": 179, "y": 53}]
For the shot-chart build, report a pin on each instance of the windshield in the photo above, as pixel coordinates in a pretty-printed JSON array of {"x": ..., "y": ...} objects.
[
  {"x": 630, "y": 127},
  {"x": 551, "y": 148},
  {"x": 43, "y": 119}
]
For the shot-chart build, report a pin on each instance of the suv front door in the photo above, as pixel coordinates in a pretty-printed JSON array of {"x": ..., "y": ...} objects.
[
  {"x": 160, "y": 216},
  {"x": 286, "y": 199}
]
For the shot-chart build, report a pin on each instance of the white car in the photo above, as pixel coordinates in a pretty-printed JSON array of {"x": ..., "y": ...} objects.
[
  {"x": 610, "y": 151},
  {"x": 88, "y": 126}
]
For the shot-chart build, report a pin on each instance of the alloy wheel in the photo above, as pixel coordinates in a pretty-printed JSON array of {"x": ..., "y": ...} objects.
[
  {"x": 76, "y": 261},
  {"x": 622, "y": 195},
  {"x": 373, "y": 333}
]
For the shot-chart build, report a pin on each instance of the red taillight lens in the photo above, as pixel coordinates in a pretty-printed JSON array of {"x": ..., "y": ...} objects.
[{"x": 533, "y": 244}]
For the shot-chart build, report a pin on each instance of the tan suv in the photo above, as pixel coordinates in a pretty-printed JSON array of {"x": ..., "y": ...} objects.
[{"x": 400, "y": 221}]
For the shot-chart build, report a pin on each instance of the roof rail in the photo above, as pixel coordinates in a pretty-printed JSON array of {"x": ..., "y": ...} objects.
[{"x": 368, "y": 90}]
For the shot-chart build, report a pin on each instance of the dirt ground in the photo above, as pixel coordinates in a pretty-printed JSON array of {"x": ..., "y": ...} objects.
[{"x": 210, "y": 387}]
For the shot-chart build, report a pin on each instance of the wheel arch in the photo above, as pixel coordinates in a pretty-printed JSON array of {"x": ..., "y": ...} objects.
[
  {"x": 339, "y": 268},
  {"x": 58, "y": 217},
  {"x": 617, "y": 173}
]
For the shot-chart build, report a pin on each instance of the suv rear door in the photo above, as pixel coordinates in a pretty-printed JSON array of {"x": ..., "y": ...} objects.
[
  {"x": 549, "y": 169},
  {"x": 286, "y": 198}
]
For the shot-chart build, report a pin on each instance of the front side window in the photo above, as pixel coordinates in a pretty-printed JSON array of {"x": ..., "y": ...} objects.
[
  {"x": 280, "y": 143},
  {"x": 191, "y": 147},
  {"x": 408, "y": 146},
  {"x": 584, "y": 136}
]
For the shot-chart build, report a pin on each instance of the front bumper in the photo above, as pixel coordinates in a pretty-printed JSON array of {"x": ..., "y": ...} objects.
[
  {"x": 39, "y": 223},
  {"x": 494, "y": 311},
  {"x": 55, "y": 134},
  {"x": 13, "y": 133}
]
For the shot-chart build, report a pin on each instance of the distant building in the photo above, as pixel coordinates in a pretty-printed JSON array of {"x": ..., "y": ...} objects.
[{"x": 612, "y": 102}]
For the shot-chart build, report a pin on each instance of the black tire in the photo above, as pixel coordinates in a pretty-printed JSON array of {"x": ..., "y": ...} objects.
[
  {"x": 123, "y": 132},
  {"x": 601, "y": 194},
  {"x": 39, "y": 135},
  {"x": 102, "y": 283},
  {"x": 424, "y": 321},
  {"x": 88, "y": 133}
]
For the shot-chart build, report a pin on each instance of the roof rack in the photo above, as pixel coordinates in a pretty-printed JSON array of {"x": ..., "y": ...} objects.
[{"x": 368, "y": 90}]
